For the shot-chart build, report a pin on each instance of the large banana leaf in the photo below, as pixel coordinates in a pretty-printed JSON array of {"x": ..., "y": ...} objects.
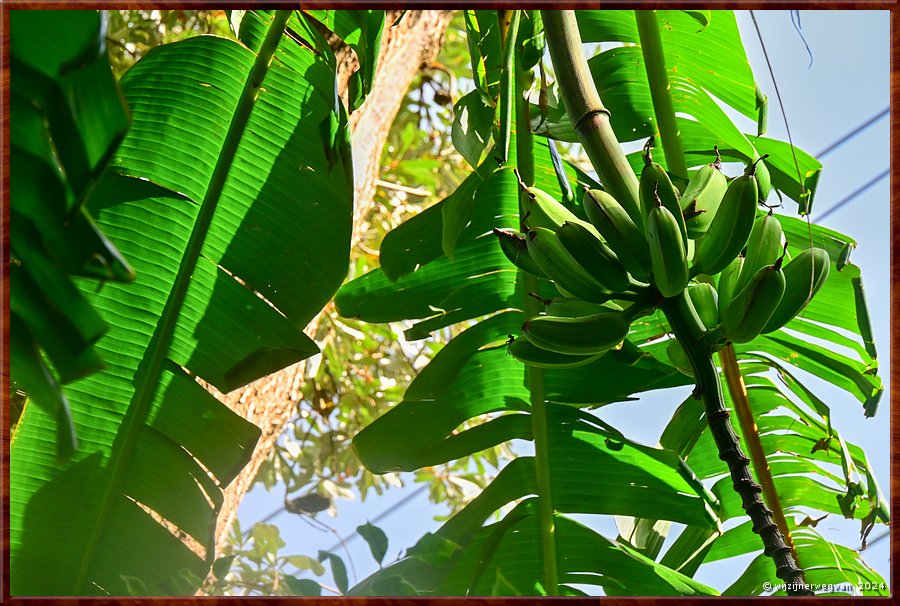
[
  {"x": 473, "y": 396},
  {"x": 231, "y": 196}
]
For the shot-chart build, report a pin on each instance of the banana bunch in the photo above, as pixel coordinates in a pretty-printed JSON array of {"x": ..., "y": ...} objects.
[
  {"x": 711, "y": 240},
  {"x": 592, "y": 265},
  {"x": 770, "y": 296}
]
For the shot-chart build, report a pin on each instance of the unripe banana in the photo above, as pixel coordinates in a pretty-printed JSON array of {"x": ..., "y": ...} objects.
[
  {"x": 730, "y": 228},
  {"x": 527, "y": 352},
  {"x": 803, "y": 276},
  {"x": 619, "y": 230},
  {"x": 706, "y": 303},
  {"x": 569, "y": 276},
  {"x": 540, "y": 209},
  {"x": 573, "y": 308},
  {"x": 655, "y": 182},
  {"x": 702, "y": 197},
  {"x": 594, "y": 256},
  {"x": 763, "y": 247},
  {"x": 728, "y": 283},
  {"x": 586, "y": 335},
  {"x": 670, "y": 266},
  {"x": 679, "y": 358},
  {"x": 763, "y": 180},
  {"x": 752, "y": 307},
  {"x": 515, "y": 248}
]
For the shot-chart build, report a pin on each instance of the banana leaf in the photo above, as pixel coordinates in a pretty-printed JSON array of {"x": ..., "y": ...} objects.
[{"x": 231, "y": 196}]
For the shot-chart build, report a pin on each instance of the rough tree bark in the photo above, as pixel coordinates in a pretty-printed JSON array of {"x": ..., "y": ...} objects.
[{"x": 271, "y": 401}]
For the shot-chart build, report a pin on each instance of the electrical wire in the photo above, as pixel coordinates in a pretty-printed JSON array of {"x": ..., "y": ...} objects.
[
  {"x": 852, "y": 196},
  {"x": 839, "y": 142}
]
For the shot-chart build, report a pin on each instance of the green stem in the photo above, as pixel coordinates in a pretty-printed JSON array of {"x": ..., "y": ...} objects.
[
  {"x": 586, "y": 111},
  {"x": 660, "y": 93},
  {"x": 689, "y": 331},
  {"x": 525, "y": 166},
  {"x": 750, "y": 432}
]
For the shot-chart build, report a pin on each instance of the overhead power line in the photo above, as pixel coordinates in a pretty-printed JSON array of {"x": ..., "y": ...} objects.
[
  {"x": 854, "y": 132},
  {"x": 850, "y": 197}
]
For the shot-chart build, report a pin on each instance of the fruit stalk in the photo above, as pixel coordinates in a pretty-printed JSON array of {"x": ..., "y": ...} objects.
[
  {"x": 750, "y": 432},
  {"x": 689, "y": 331}
]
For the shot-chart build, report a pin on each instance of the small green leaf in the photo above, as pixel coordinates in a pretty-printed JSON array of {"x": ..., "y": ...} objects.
[
  {"x": 267, "y": 537},
  {"x": 377, "y": 540},
  {"x": 338, "y": 570}
]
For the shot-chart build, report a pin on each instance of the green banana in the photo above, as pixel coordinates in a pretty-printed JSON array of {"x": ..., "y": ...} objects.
[
  {"x": 515, "y": 248},
  {"x": 573, "y": 308},
  {"x": 540, "y": 209},
  {"x": 763, "y": 247},
  {"x": 706, "y": 303},
  {"x": 804, "y": 276},
  {"x": 763, "y": 180},
  {"x": 750, "y": 310},
  {"x": 594, "y": 256},
  {"x": 527, "y": 352},
  {"x": 619, "y": 230},
  {"x": 727, "y": 283},
  {"x": 655, "y": 182},
  {"x": 670, "y": 266},
  {"x": 569, "y": 276},
  {"x": 728, "y": 232},
  {"x": 678, "y": 358},
  {"x": 585, "y": 335},
  {"x": 702, "y": 197}
]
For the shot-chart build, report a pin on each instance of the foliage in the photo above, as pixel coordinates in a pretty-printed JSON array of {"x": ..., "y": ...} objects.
[
  {"x": 201, "y": 211},
  {"x": 472, "y": 376},
  {"x": 200, "y": 197}
]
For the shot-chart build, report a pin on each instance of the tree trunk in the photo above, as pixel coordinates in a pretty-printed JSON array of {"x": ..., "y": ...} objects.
[{"x": 271, "y": 401}]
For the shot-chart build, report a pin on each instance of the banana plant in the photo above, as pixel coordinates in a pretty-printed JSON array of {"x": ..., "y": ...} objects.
[
  {"x": 231, "y": 196},
  {"x": 445, "y": 267}
]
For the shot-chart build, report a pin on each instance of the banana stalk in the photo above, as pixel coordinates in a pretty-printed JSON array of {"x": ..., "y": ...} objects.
[{"x": 689, "y": 331}]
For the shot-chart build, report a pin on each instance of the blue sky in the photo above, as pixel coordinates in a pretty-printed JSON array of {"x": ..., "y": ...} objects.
[{"x": 846, "y": 85}]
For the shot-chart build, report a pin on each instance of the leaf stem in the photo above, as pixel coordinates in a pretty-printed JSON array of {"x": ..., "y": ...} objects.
[
  {"x": 586, "y": 111},
  {"x": 525, "y": 166},
  {"x": 660, "y": 92},
  {"x": 689, "y": 331}
]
